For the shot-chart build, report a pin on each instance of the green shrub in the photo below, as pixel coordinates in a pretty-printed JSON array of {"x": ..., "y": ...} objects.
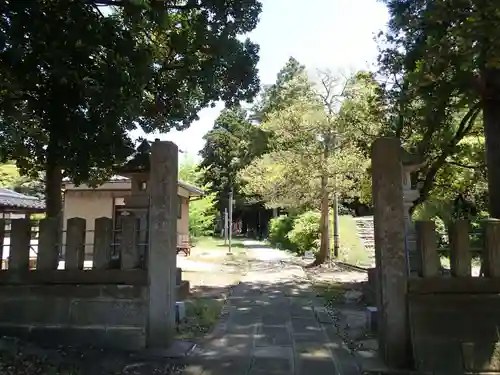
[
  {"x": 305, "y": 233},
  {"x": 202, "y": 215},
  {"x": 278, "y": 231}
]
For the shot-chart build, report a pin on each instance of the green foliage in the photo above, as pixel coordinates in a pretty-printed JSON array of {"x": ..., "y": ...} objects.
[
  {"x": 202, "y": 214},
  {"x": 351, "y": 250},
  {"x": 303, "y": 150},
  {"x": 201, "y": 316},
  {"x": 442, "y": 58},
  {"x": 232, "y": 143},
  {"x": 306, "y": 231},
  {"x": 10, "y": 178},
  {"x": 279, "y": 227},
  {"x": 315, "y": 149},
  {"x": 235, "y": 140},
  {"x": 9, "y": 175},
  {"x": 189, "y": 171},
  {"x": 291, "y": 84},
  {"x": 68, "y": 102}
]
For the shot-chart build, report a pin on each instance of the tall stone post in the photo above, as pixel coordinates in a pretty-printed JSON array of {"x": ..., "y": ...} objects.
[
  {"x": 410, "y": 195},
  {"x": 161, "y": 259},
  {"x": 391, "y": 266}
]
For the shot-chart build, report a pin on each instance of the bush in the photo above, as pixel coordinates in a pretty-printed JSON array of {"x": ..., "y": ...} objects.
[
  {"x": 441, "y": 232},
  {"x": 279, "y": 227},
  {"x": 202, "y": 215},
  {"x": 305, "y": 233},
  {"x": 344, "y": 210}
]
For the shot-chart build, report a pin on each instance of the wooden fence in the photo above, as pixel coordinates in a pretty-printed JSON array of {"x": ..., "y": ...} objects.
[{"x": 455, "y": 319}]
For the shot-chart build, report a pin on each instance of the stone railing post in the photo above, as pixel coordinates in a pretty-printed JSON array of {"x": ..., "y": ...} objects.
[
  {"x": 391, "y": 264},
  {"x": 161, "y": 259}
]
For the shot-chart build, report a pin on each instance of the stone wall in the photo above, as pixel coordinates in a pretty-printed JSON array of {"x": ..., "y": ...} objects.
[
  {"x": 442, "y": 323},
  {"x": 126, "y": 300},
  {"x": 100, "y": 315},
  {"x": 455, "y": 319}
]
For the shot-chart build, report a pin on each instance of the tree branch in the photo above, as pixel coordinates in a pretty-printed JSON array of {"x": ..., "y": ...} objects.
[
  {"x": 465, "y": 166},
  {"x": 464, "y": 127},
  {"x": 120, "y": 3}
]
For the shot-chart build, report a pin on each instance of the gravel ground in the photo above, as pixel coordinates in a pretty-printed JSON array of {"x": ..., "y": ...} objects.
[{"x": 23, "y": 358}]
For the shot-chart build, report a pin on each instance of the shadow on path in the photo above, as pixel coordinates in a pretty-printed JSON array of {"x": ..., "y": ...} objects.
[{"x": 274, "y": 324}]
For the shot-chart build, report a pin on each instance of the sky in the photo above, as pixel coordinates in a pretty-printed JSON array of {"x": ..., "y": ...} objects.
[{"x": 325, "y": 34}]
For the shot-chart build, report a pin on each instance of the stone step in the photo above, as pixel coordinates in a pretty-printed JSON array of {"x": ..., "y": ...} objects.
[{"x": 365, "y": 231}]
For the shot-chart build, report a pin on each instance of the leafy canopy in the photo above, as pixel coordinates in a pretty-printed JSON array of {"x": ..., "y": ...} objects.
[
  {"x": 309, "y": 140},
  {"x": 68, "y": 102},
  {"x": 232, "y": 143},
  {"x": 442, "y": 58}
]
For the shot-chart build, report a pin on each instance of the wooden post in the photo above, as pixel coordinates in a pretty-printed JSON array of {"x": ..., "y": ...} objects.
[
  {"x": 460, "y": 255},
  {"x": 48, "y": 250},
  {"x": 103, "y": 239},
  {"x": 20, "y": 242},
  {"x": 391, "y": 264},
  {"x": 427, "y": 248},
  {"x": 162, "y": 244},
  {"x": 129, "y": 251},
  {"x": 75, "y": 244},
  {"x": 491, "y": 249}
]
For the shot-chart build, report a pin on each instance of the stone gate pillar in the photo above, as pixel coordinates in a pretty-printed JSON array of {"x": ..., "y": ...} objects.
[
  {"x": 391, "y": 265},
  {"x": 161, "y": 259},
  {"x": 411, "y": 163}
]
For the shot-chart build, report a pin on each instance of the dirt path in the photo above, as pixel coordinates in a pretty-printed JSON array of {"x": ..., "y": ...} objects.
[{"x": 211, "y": 272}]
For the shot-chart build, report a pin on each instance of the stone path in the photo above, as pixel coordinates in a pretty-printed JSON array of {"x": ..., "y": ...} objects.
[{"x": 273, "y": 324}]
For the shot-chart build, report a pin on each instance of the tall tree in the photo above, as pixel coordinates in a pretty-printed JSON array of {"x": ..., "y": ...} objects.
[
  {"x": 311, "y": 155},
  {"x": 446, "y": 54},
  {"x": 202, "y": 211},
  {"x": 291, "y": 84},
  {"x": 68, "y": 102},
  {"x": 189, "y": 171},
  {"x": 232, "y": 143}
]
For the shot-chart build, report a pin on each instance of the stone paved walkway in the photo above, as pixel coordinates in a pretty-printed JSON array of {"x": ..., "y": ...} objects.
[{"x": 273, "y": 324}]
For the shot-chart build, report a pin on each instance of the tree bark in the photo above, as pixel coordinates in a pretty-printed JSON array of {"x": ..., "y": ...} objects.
[
  {"x": 324, "y": 250},
  {"x": 491, "y": 120},
  {"x": 448, "y": 149},
  {"x": 336, "y": 237},
  {"x": 53, "y": 182}
]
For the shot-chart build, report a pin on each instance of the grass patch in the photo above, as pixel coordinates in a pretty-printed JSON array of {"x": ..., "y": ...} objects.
[
  {"x": 330, "y": 292},
  {"x": 201, "y": 316},
  {"x": 352, "y": 250},
  {"x": 213, "y": 250}
]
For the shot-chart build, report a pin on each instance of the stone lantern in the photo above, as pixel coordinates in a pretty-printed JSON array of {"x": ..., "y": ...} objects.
[
  {"x": 137, "y": 169},
  {"x": 411, "y": 163}
]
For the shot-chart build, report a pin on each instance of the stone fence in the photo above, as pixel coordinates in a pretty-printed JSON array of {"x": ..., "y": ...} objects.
[
  {"x": 454, "y": 319},
  {"x": 428, "y": 320},
  {"x": 124, "y": 302},
  {"x": 101, "y": 305}
]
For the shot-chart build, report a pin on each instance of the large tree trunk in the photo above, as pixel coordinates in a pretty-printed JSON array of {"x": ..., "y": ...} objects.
[
  {"x": 491, "y": 120},
  {"x": 324, "y": 249},
  {"x": 53, "y": 182}
]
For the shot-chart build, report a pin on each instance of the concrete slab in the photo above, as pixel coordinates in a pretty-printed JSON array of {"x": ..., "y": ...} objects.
[{"x": 273, "y": 335}]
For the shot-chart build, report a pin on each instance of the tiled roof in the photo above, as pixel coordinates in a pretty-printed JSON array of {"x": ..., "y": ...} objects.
[
  {"x": 11, "y": 198},
  {"x": 192, "y": 189}
]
